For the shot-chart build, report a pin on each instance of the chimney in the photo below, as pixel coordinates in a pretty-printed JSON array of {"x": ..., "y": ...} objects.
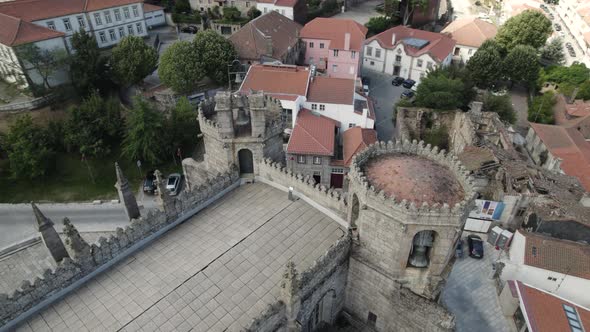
[
  {"x": 393, "y": 39},
  {"x": 347, "y": 41},
  {"x": 268, "y": 45}
]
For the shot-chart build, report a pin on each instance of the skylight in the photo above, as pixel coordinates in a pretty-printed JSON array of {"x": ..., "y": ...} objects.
[
  {"x": 573, "y": 318},
  {"x": 416, "y": 42}
]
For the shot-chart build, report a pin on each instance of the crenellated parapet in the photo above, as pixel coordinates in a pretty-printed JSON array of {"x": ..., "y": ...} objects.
[{"x": 434, "y": 212}]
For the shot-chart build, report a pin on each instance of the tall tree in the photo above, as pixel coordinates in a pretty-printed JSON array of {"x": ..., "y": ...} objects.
[
  {"x": 410, "y": 7},
  {"x": 88, "y": 69},
  {"x": 144, "y": 138},
  {"x": 93, "y": 126},
  {"x": 45, "y": 62},
  {"x": 132, "y": 60},
  {"x": 440, "y": 92},
  {"x": 379, "y": 24},
  {"x": 485, "y": 67},
  {"x": 180, "y": 67},
  {"x": 530, "y": 28},
  {"x": 29, "y": 154},
  {"x": 553, "y": 52},
  {"x": 522, "y": 64},
  {"x": 182, "y": 126},
  {"x": 253, "y": 13},
  {"x": 215, "y": 52}
]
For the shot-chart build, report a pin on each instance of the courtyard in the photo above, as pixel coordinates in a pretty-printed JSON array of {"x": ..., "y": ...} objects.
[{"x": 215, "y": 272}]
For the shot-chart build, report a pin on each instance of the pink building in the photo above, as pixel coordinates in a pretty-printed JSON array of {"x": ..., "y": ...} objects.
[{"x": 334, "y": 46}]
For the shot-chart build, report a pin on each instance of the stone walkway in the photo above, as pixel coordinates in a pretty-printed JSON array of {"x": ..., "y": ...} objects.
[
  {"x": 215, "y": 272},
  {"x": 470, "y": 294}
]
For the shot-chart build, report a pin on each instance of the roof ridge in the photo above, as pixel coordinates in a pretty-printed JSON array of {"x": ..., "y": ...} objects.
[
  {"x": 17, "y": 30},
  {"x": 312, "y": 136}
]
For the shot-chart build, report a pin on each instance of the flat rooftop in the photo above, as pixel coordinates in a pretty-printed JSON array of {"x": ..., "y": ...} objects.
[
  {"x": 415, "y": 179},
  {"x": 215, "y": 272}
]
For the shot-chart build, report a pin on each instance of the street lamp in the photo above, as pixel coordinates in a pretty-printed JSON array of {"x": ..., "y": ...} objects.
[{"x": 235, "y": 68}]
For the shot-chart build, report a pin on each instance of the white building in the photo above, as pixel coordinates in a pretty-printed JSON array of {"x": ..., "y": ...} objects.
[
  {"x": 468, "y": 33},
  {"x": 406, "y": 52},
  {"x": 50, "y": 24},
  {"x": 295, "y": 10},
  {"x": 557, "y": 266},
  {"x": 576, "y": 17}
]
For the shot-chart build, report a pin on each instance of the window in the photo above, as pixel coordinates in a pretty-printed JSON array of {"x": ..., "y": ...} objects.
[
  {"x": 369, "y": 51},
  {"x": 372, "y": 63},
  {"x": 311, "y": 60},
  {"x": 351, "y": 125},
  {"x": 301, "y": 159},
  {"x": 247, "y": 4},
  {"x": 377, "y": 52},
  {"x": 282, "y": 12},
  {"x": 322, "y": 107},
  {"x": 317, "y": 160},
  {"x": 130, "y": 29},
  {"x": 469, "y": 52},
  {"x": 135, "y": 11},
  {"x": 81, "y": 21},
  {"x": 67, "y": 24},
  {"x": 335, "y": 68},
  {"x": 107, "y": 17},
  {"x": 338, "y": 170},
  {"x": 573, "y": 318},
  {"x": 121, "y": 32},
  {"x": 265, "y": 9},
  {"x": 551, "y": 279},
  {"x": 126, "y": 12},
  {"x": 113, "y": 35},
  {"x": 103, "y": 38},
  {"x": 335, "y": 52},
  {"x": 117, "y": 15},
  {"x": 51, "y": 25},
  {"x": 353, "y": 54},
  {"x": 429, "y": 65},
  {"x": 139, "y": 28},
  {"x": 97, "y": 19},
  {"x": 419, "y": 63},
  {"x": 457, "y": 51},
  {"x": 372, "y": 319},
  {"x": 310, "y": 44},
  {"x": 398, "y": 58},
  {"x": 321, "y": 45},
  {"x": 314, "y": 107}
]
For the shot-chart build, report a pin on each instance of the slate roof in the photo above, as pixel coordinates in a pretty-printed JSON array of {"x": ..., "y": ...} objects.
[
  {"x": 470, "y": 31},
  {"x": 334, "y": 29},
  {"x": 331, "y": 90},
  {"x": 439, "y": 46},
  {"x": 251, "y": 40},
  {"x": 313, "y": 134}
]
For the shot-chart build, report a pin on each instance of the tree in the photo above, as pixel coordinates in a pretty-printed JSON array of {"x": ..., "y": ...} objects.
[
  {"x": 144, "y": 138},
  {"x": 215, "y": 53},
  {"x": 132, "y": 60},
  {"x": 553, "y": 52},
  {"x": 29, "y": 155},
  {"x": 584, "y": 91},
  {"x": 541, "y": 108},
  {"x": 182, "y": 126},
  {"x": 530, "y": 28},
  {"x": 182, "y": 6},
  {"x": 522, "y": 64},
  {"x": 410, "y": 6},
  {"x": 231, "y": 14},
  {"x": 501, "y": 105},
  {"x": 180, "y": 67},
  {"x": 253, "y": 13},
  {"x": 88, "y": 69},
  {"x": 485, "y": 67},
  {"x": 389, "y": 7},
  {"x": 440, "y": 92},
  {"x": 93, "y": 126},
  {"x": 379, "y": 24},
  {"x": 574, "y": 74},
  {"x": 45, "y": 62}
]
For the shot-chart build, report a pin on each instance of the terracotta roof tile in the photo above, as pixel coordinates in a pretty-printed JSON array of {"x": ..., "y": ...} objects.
[
  {"x": 470, "y": 31},
  {"x": 251, "y": 40},
  {"x": 545, "y": 312},
  {"x": 334, "y": 29},
  {"x": 282, "y": 80},
  {"x": 33, "y": 10},
  {"x": 92, "y": 5},
  {"x": 355, "y": 140},
  {"x": 151, "y": 8},
  {"x": 557, "y": 255},
  {"x": 16, "y": 32},
  {"x": 578, "y": 109},
  {"x": 313, "y": 134},
  {"x": 569, "y": 145},
  {"x": 439, "y": 46},
  {"x": 331, "y": 90}
]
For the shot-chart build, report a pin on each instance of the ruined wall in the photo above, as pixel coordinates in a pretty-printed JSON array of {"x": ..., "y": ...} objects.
[
  {"x": 272, "y": 319},
  {"x": 87, "y": 258}
]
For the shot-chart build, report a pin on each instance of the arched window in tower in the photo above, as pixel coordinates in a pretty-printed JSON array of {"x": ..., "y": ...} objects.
[
  {"x": 354, "y": 215},
  {"x": 422, "y": 246}
]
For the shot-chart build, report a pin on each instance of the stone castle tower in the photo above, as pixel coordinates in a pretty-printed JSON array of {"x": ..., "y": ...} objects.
[
  {"x": 407, "y": 206},
  {"x": 238, "y": 131}
]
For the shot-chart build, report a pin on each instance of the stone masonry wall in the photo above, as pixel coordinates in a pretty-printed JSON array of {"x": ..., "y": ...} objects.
[
  {"x": 272, "y": 319},
  {"x": 87, "y": 258}
]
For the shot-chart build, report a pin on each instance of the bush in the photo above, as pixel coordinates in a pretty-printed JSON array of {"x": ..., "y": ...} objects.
[
  {"x": 28, "y": 150},
  {"x": 437, "y": 137},
  {"x": 231, "y": 14},
  {"x": 253, "y": 13},
  {"x": 584, "y": 91},
  {"x": 501, "y": 105},
  {"x": 541, "y": 108},
  {"x": 194, "y": 18},
  {"x": 379, "y": 24},
  {"x": 478, "y": 3}
]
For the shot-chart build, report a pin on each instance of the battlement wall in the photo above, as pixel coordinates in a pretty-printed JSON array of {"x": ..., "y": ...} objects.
[{"x": 88, "y": 259}]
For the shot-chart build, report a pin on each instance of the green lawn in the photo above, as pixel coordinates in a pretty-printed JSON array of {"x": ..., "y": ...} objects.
[{"x": 71, "y": 182}]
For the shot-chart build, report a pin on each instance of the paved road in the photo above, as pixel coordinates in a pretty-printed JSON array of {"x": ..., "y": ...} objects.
[
  {"x": 384, "y": 95},
  {"x": 518, "y": 96},
  {"x": 362, "y": 12}
]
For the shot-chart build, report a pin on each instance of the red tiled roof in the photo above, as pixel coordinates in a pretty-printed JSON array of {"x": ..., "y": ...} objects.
[
  {"x": 557, "y": 255},
  {"x": 331, "y": 90},
  {"x": 280, "y": 3},
  {"x": 334, "y": 29},
  {"x": 283, "y": 80},
  {"x": 92, "y": 5},
  {"x": 251, "y": 40},
  {"x": 33, "y": 10},
  {"x": 545, "y": 312},
  {"x": 578, "y": 109},
  {"x": 470, "y": 31},
  {"x": 151, "y": 8},
  {"x": 439, "y": 46},
  {"x": 16, "y": 32},
  {"x": 313, "y": 134},
  {"x": 569, "y": 145},
  {"x": 355, "y": 140}
]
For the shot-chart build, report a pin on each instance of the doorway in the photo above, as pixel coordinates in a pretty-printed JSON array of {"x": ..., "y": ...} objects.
[
  {"x": 396, "y": 70},
  {"x": 246, "y": 161}
]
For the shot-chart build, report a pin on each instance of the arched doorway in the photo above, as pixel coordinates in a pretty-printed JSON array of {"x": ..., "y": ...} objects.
[
  {"x": 322, "y": 314},
  {"x": 246, "y": 162}
]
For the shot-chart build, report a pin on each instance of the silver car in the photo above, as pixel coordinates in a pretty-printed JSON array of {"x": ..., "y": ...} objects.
[{"x": 173, "y": 184}]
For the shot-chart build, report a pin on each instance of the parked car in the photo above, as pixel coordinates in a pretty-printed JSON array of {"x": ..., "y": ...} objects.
[
  {"x": 551, "y": 17},
  {"x": 366, "y": 90},
  {"x": 173, "y": 184},
  {"x": 149, "y": 183},
  {"x": 408, "y": 94},
  {"x": 408, "y": 84},
  {"x": 545, "y": 8},
  {"x": 366, "y": 80},
  {"x": 397, "y": 81},
  {"x": 557, "y": 27},
  {"x": 190, "y": 29},
  {"x": 572, "y": 53},
  {"x": 475, "y": 245},
  {"x": 569, "y": 45}
]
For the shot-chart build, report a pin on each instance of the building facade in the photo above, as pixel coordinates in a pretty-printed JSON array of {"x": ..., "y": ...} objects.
[
  {"x": 576, "y": 16},
  {"x": 468, "y": 34},
  {"x": 295, "y": 10}
]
